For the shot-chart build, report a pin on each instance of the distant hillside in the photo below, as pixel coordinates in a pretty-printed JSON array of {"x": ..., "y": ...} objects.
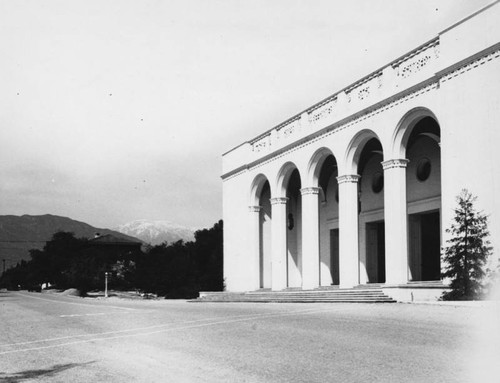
[
  {"x": 156, "y": 232},
  {"x": 20, "y": 234}
]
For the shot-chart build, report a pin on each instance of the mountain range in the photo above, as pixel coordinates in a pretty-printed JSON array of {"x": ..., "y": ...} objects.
[
  {"x": 156, "y": 232},
  {"x": 19, "y": 234}
]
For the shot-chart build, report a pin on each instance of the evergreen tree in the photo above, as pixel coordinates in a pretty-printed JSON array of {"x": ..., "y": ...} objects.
[{"x": 467, "y": 250}]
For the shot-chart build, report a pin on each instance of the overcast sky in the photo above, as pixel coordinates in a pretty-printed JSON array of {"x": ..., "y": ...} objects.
[{"x": 116, "y": 110}]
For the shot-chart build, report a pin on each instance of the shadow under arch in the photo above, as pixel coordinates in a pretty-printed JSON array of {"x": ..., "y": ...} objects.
[
  {"x": 256, "y": 188},
  {"x": 288, "y": 185},
  {"x": 322, "y": 172},
  {"x": 315, "y": 164},
  {"x": 283, "y": 178},
  {"x": 355, "y": 148},
  {"x": 405, "y": 127},
  {"x": 260, "y": 204},
  {"x": 417, "y": 139}
]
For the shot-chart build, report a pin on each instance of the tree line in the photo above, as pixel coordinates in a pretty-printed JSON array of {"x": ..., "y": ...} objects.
[
  {"x": 181, "y": 270},
  {"x": 173, "y": 270}
]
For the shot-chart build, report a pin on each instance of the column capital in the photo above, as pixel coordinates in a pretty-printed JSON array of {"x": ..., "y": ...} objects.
[
  {"x": 254, "y": 209},
  {"x": 395, "y": 163},
  {"x": 279, "y": 201},
  {"x": 348, "y": 178},
  {"x": 309, "y": 190}
]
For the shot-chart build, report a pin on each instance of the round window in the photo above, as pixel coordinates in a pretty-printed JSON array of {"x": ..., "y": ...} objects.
[
  {"x": 423, "y": 169},
  {"x": 377, "y": 182}
]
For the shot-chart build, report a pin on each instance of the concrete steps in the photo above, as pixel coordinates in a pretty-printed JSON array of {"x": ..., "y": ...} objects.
[{"x": 333, "y": 295}]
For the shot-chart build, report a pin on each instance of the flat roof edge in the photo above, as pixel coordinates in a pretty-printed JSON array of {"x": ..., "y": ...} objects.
[{"x": 468, "y": 17}]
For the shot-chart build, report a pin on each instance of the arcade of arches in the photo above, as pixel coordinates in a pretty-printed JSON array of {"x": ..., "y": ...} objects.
[
  {"x": 358, "y": 189},
  {"x": 377, "y": 224}
]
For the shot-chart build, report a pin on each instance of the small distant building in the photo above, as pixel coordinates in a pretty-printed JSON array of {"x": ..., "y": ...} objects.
[{"x": 114, "y": 245}]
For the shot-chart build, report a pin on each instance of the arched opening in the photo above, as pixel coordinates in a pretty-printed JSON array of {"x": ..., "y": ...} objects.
[
  {"x": 294, "y": 230},
  {"x": 371, "y": 213},
  {"x": 265, "y": 236},
  {"x": 329, "y": 222},
  {"x": 423, "y": 194}
]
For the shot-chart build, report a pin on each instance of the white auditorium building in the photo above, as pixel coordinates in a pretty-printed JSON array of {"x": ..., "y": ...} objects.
[{"x": 359, "y": 188}]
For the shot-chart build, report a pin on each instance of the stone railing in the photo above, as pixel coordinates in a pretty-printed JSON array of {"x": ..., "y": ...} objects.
[
  {"x": 382, "y": 83},
  {"x": 322, "y": 111},
  {"x": 430, "y": 62},
  {"x": 417, "y": 60},
  {"x": 261, "y": 143},
  {"x": 288, "y": 128},
  {"x": 363, "y": 89}
]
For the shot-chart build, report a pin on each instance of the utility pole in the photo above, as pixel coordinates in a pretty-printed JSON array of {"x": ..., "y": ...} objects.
[{"x": 106, "y": 284}]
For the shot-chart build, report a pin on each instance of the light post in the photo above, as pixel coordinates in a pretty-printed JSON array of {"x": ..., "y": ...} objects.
[{"x": 106, "y": 284}]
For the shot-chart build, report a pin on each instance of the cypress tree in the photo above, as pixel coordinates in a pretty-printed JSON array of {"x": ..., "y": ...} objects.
[{"x": 467, "y": 251}]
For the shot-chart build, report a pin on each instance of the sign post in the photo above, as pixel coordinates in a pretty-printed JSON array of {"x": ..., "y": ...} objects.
[{"x": 106, "y": 284}]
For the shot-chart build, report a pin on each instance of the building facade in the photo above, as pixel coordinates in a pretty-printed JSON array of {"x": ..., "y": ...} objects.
[{"x": 360, "y": 187}]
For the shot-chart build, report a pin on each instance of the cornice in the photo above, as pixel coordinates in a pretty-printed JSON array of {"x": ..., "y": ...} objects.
[
  {"x": 279, "y": 201},
  {"x": 395, "y": 163},
  {"x": 235, "y": 173},
  {"x": 473, "y": 61},
  {"x": 348, "y": 178},
  {"x": 309, "y": 190}
]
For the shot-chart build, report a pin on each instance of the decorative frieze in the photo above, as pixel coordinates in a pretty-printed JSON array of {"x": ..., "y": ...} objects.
[
  {"x": 364, "y": 93},
  {"x": 413, "y": 67},
  {"x": 279, "y": 201},
  {"x": 322, "y": 111},
  {"x": 348, "y": 178},
  {"x": 288, "y": 129},
  {"x": 363, "y": 89},
  {"x": 309, "y": 190},
  {"x": 417, "y": 60},
  {"x": 316, "y": 114},
  {"x": 262, "y": 143},
  {"x": 360, "y": 91},
  {"x": 395, "y": 163}
]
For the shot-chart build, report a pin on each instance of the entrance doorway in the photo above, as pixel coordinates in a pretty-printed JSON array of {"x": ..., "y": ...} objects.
[
  {"x": 375, "y": 252},
  {"x": 425, "y": 246},
  {"x": 334, "y": 256}
]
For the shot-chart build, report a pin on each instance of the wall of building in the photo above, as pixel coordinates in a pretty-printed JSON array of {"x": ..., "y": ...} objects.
[
  {"x": 451, "y": 80},
  {"x": 470, "y": 120},
  {"x": 239, "y": 265}
]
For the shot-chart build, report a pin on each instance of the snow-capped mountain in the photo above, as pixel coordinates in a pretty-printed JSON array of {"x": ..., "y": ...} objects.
[{"x": 156, "y": 232}]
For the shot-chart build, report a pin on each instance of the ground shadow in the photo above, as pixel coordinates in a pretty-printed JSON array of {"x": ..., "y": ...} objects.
[{"x": 41, "y": 373}]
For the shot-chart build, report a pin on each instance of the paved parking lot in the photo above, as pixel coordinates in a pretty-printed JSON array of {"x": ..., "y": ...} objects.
[{"x": 53, "y": 338}]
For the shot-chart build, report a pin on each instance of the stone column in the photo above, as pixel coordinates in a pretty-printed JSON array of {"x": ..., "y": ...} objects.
[
  {"x": 396, "y": 233},
  {"x": 310, "y": 238},
  {"x": 279, "y": 244},
  {"x": 255, "y": 244},
  {"x": 348, "y": 230}
]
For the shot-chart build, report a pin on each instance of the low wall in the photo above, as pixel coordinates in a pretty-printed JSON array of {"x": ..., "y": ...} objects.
[{"x": 414, "y": 293}]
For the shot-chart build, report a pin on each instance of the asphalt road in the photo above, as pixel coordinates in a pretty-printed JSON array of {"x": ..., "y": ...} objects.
[{"x": 53, "y": 338}]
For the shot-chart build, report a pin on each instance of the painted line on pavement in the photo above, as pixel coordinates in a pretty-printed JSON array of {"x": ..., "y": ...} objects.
[
  {"x": 191, "y": 326},
  {"x": 77, "y": 303},
  {"x": 126, "y": 330},
  {"x": 105, "y": 333},
  {"x": 94, "y": 314}
]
